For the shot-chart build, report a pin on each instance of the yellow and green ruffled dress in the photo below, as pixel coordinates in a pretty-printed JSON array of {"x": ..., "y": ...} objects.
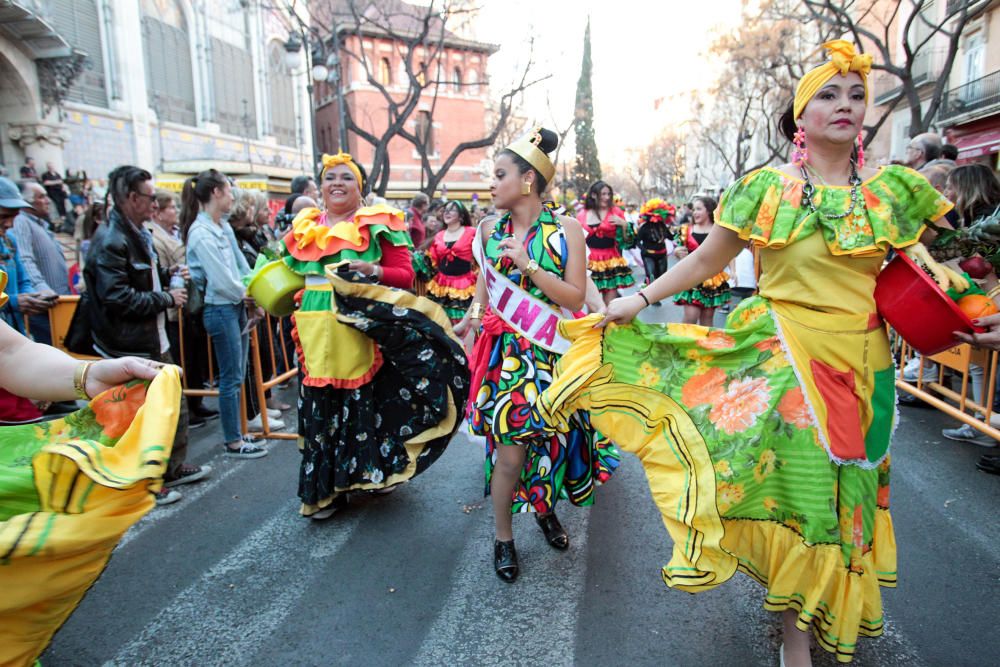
[
  {"x": 69, "y": 489},
  {"x": 766, "y": 443}
]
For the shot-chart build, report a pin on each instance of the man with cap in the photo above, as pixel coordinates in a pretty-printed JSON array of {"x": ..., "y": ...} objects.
[{"x": 42, "y": 256}]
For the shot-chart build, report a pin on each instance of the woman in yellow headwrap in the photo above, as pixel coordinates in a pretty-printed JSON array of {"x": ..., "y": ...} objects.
[
  {"x": 766, "y": 443},
  {"x": 382, "y": 379}
]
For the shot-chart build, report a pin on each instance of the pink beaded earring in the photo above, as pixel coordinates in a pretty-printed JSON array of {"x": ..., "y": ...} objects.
[
  {"x": 800, "y": 154},
  {"x": 861, "y": 150}
]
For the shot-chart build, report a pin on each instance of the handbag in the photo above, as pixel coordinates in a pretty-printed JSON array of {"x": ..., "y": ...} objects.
[
  {"x": 80, "y": 334},
  {"x": 196, "y": 300}
]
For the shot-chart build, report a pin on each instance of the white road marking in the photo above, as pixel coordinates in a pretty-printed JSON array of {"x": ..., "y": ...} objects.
[{"x": 209, "y": 622}]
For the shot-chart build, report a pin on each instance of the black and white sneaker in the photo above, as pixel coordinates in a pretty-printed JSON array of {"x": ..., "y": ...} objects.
[{"x": 246, "y": 450}]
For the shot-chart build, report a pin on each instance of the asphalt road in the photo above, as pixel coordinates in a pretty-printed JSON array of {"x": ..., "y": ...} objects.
[{"x": 231, "y": 575}]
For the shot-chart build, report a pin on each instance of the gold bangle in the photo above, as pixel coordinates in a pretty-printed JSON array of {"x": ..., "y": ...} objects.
[
  {"x": 531, "y": 268},
  {"x": 476, "y": 311},
  {"x": 80, "y": 380},
  {"x": 994, "y": 292}
]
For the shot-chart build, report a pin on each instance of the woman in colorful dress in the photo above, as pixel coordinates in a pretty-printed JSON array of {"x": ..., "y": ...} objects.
[
  {"x": 70, "y": 488},
  {"x": 608, "y": 233},
  {"x": 447, "y": 265},
  {"x": 532, "y": 270},
  {"x": 382, "y": 380},
  {"x": 766, "y": 443},
  {"x": 700, "y": 301}
]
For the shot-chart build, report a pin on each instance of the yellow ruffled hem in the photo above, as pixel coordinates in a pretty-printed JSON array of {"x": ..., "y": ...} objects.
[
  {"x": 599, "y": 266},
  {"x": 838, "y": 604},
  {"x": 446, "y": 292}
]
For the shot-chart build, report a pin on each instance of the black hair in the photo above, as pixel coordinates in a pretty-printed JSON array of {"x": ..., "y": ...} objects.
[
  {"x": 463, "y": 213},
  {"x": 787, "y": 124},
  {"x": 549, "y": 142},
  {"x": 709, "y": 203},
  {"x": 290, "y": 201},
  {"x": 123, "y": 180},
  {"x": 300, "y": 183},
  {"x": 593, "y": 198},
  {"x": 949, "y": 152},
  {"x": 197, "y": 191}
]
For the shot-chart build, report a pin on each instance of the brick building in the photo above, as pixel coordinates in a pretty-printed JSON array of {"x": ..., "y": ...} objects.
[{"x": 447, "y": 114}]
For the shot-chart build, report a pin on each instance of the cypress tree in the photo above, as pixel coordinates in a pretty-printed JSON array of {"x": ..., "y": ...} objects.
[{"x": 587, "y": 168}]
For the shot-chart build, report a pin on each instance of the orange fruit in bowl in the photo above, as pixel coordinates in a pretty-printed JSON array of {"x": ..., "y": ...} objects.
[{"x": 977, "y": 305}]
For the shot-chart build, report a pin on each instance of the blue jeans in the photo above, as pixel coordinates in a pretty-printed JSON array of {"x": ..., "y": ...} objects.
[{"x": 224, "y": 324}]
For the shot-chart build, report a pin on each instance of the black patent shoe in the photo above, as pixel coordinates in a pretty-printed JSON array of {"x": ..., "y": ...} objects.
[
  {"x": 505, "y": 560},
  {"x": 555, "y": 534}
]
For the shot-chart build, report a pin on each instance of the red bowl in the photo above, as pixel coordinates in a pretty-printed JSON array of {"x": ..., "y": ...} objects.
[{"x": 917, "y": 308}]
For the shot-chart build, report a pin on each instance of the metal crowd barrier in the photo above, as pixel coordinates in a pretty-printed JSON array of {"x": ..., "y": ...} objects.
[
  {"x": 954, "y": 364},
  {"x": 61, "y": 315}
]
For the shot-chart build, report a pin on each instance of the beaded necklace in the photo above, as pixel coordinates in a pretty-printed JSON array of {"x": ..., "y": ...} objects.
[{"x": 809, "y": 191}]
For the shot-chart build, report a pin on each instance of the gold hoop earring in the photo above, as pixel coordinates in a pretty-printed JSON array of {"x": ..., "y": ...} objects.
[{"x": 526, "y": 187}]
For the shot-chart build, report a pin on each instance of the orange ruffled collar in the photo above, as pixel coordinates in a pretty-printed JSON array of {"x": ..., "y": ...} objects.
[{"x": 312, "y": 239}]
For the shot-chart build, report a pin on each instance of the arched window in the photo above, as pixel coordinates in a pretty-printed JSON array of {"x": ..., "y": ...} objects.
[
  {"x": 384, "y": 72},
  {"x": 168, "y": 61},
  {"x": 456, "y": 80},
  {"x": 473, "y": 82},
  {"x": 233, "y": 89},
  {"x": 281, "y": 95},
  {"x": 77, "y": 21}
]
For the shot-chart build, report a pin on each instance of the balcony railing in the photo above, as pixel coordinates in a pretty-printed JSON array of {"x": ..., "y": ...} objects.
[
  {"x": 927, "y": 66},
  {"x": 976, "y": 95}
]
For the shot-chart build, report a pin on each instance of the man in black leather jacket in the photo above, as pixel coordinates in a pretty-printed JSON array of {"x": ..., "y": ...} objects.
[{"x": 127, "y": 300}]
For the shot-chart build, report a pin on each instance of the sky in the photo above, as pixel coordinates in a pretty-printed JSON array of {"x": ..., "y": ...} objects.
[{"x": 642, "y": 51}]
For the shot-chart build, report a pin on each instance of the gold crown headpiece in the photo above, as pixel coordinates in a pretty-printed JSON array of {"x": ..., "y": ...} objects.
[{"x": 527, "y": 147}]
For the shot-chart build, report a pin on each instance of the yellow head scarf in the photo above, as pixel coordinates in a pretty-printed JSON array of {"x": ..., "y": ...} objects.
[
  {"x": 843, "y": 59},
  {"x": 330, "y": 161}
]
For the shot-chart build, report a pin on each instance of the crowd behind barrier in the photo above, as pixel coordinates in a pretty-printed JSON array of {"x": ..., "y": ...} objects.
[{"x": 277, "y": 349}]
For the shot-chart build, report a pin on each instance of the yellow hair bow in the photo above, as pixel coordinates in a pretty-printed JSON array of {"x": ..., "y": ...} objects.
[
  {"x": 843, "y": 59},
  {"x": 330, "y": 161}
]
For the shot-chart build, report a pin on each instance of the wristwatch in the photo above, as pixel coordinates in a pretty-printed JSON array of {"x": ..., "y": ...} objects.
[{"x": 530, "y": 269}]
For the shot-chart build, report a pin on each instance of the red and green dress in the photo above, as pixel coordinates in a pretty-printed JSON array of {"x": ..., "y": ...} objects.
[
  {"x": 383, "y": 380},
  {"x": 450, "y": 272},
  {"x": 766, "y": 443},
  {"x": 511, "y": 372},
  {"x": 608, "y": 268},
  {"x": 712, "y": 293}
]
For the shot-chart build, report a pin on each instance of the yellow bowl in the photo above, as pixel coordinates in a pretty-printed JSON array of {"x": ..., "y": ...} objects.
[{"x": 274, "y": 288}]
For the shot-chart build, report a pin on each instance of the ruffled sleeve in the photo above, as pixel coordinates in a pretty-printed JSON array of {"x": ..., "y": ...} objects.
[{"x": 892, "y": 210}]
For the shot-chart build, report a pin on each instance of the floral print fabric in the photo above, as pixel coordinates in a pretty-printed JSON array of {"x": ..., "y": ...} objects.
[{"x": 766, "y": 206}]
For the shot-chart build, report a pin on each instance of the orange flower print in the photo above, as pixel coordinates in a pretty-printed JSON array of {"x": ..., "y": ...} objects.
[
  {"x": 705, "y": 388},
  {"x": 738, "y": 409},
  {"x": 728, "y": 495},
  {"x": 871, "y": 199},
  {"x": 792, "y": 408},
  {"x": 717, "y": 340},
  {"x": 793, "y": 193},
  {"x": 723, "y": 469},
  {"x": 859, "y": 527},
  {"x": 115, "y": 409},
  {"x": 770, "y": 504},
  {"x": 772, "y": 345},
  {"x": 882, "y": 499}
]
